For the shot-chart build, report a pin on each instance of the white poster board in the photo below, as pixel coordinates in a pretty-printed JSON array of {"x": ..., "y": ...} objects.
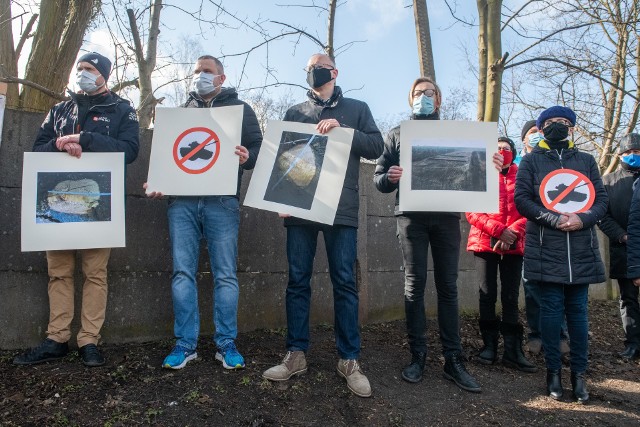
[
  {"x": 71, "y": 203},
  {"x": 447, "y": 166},
  {"x": 299, "y": 171},
  {"x": 193, "y": 151}
]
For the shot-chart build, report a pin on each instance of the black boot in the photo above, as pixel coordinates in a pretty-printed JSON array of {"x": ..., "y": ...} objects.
[
  {"x": 490, "y": 330},
  {"x": 579, "y": 386},
  {"x": 413, "y": 372},
  {"x": 630, "y": 352},
  {"x": 554, "y": 384},
  {"x": 455, "y": 371},
  {"x": 513, "y": 356}
]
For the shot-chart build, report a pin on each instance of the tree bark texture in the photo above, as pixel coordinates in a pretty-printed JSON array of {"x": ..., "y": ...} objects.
[{"x": 423, "y": 36}]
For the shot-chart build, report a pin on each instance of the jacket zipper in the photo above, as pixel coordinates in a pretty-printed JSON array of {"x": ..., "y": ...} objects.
[{"x": 569, "y": 257}]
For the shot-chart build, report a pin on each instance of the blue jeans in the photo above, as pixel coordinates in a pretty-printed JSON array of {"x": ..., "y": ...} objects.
[
  {"x": 216, "y": 219},
  {"x": 532, "y": 309},
  {"x": 341, "y": 245},
  {"x": 556, "y": 302}
]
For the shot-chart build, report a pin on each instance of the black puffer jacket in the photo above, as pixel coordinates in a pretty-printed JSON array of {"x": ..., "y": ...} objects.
[
  {"x": 551, "y": 255},
  {"x": 105, "y": 122},
  {"x": 619, "y": 186},
  {"x": 367, "y": 143},
  {"x": 633, "y": 236},
  {"x": 251, "y": 135},
  {"x": 391, "y": 157}
]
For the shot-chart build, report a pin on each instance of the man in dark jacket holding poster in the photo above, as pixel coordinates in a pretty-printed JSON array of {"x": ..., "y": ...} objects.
[
  {"x": 93, "y": 120},
  {"x": 327, "y": 108}
]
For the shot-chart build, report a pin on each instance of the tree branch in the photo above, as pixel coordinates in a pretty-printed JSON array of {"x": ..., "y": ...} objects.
[
  {"x": 136, "y": 35},
  {"x": 52, "y": 94},
  {"x": 121, "y": 85},
  {"x": 322, "y": 45},
  {"x": 25, "y": 35}
]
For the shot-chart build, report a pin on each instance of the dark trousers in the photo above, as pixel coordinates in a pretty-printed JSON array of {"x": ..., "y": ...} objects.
[
  {"x": 442, "y": 232},
  {"x": 557, "y": 301},
  {"x": 629, "y": 311},
  {"x": 510, "y": 266}
]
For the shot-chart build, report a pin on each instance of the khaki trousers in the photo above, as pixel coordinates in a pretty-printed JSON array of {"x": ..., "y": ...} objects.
[{"x": 61, "y": 266}]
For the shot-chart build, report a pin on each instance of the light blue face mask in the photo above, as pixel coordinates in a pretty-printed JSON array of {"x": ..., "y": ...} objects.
[
  {"x": 633, "y": 160},
  {"x": 423, "y": 106},
  {"x": 535, "y": 138},
  {"x": 86, "y": 81},
  {"x": 203, "y": 84}
]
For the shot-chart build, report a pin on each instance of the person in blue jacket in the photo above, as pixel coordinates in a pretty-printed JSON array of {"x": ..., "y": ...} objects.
[
  {"x": 561, "y": 246},
  {"x": 94, "y": 120}
]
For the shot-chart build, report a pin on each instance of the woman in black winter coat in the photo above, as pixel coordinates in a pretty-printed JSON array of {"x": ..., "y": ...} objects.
[{"x": 559, "y": 190}]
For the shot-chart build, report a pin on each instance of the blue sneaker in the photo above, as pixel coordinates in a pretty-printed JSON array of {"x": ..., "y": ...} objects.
[
  {"x": 230, "y": 357},
  {"x": 179, "y": 357}
]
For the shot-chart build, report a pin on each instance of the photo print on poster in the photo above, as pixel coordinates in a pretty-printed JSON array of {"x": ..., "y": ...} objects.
[
  {"x": 295, "y": 173},
  {"x": 63, "y": 197},
  {"x": 449, "y": 168}
]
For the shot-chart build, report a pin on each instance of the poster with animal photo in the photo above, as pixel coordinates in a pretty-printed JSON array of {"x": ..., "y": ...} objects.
[
  {"x": 447, "y": 166},
  {"x": 193, "y": 151},
  {"x": 299, "y": 171},
  {"x": 71, "y": 203}
]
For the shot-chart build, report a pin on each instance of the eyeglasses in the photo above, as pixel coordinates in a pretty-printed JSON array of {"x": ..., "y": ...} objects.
[
  {"x": 427, "y": 92},
  {"x": 318, "y": 66},
  {"x": 563, "y": 121}
]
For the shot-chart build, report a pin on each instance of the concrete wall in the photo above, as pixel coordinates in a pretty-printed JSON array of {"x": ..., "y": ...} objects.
[{"x": 139, "y": 275}]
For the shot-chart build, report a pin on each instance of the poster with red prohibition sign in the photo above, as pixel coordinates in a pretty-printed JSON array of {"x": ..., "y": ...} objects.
[{"x": 193, "y": 151}]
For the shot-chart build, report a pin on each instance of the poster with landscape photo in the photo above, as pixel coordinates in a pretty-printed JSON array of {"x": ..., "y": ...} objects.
[
  {"x": 447, "y": 166},
  {"x": 300, "y": 172}
]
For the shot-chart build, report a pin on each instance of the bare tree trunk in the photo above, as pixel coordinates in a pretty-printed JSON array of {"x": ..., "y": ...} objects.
[
  {"x": 56, "y": 43},
  {"x": 8, "y": 61},
  {"x": 482, "y": 57},
  {"x": 146, "y": 62},
  {"x": 329, "y": 49},
  {"x": 495, "y": 60},
  {"x": 423, "y": 36}
]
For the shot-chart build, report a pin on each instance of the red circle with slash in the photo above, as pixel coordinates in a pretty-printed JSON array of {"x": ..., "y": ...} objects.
[
  {"x": 560, "y": 188},
  {"x": 201, "y": 137}
]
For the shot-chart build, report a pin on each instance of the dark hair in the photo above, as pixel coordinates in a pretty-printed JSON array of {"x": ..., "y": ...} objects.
[
  {"x": 214, "y": 59},
  {"x": 424, "y": 79}
]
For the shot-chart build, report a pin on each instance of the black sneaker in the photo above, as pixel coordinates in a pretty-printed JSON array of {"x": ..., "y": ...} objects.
[
  {"x": 455, "y": 371},
  {"x": 46, "y": 351},
  {"x": 91, "y": 356}
]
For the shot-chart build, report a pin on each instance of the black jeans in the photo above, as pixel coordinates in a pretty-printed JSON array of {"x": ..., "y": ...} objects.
[
  {"x": 442, "y": 231},
  {"x": 629, "y": 311},
  {"x": 487, "y": 265}
]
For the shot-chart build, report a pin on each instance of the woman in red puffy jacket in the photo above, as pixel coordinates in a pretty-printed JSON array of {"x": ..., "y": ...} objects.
[{"x": 497, "y": 242}]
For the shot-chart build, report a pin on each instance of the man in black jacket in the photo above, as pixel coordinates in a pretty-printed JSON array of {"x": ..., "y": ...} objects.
[
  {"x": 217, "y": 220},
  {"x": 93, "y": 120},
  {"x": 327, "y": 108},
  {"x": 619, "y": 186}
]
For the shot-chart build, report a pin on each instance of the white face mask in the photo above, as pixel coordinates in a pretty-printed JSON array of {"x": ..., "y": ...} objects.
[
  {"x": 86, "y": 81},
  {"x": 202, "y": 83}
]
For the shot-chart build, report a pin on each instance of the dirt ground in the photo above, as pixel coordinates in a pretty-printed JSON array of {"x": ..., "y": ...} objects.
[{"x": 132, "y": 389}]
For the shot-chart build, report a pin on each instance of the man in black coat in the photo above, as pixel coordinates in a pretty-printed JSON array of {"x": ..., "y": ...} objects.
[
  {"x": 93, "y": 120},
  {"x": 619, "y": 186},
  {"x": 327, "y": 108}
]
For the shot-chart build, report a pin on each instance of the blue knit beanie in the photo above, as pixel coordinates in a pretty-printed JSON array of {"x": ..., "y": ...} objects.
[
  {"x": 102, "y": 63},
  {"x": 556, "y": 111}
]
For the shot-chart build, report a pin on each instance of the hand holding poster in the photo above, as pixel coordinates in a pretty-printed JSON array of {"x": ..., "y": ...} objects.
[
  {"x": 299, "y": 171},
  {"x": 447, "y": 166},
  {"x": 71, "y": 203},
  {"x": 192, "y": 152}
]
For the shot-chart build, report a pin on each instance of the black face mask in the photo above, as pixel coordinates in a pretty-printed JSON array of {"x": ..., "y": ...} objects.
[
  {"x": 317, "y": 77},
  {"x": 555, "y": 132}
]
